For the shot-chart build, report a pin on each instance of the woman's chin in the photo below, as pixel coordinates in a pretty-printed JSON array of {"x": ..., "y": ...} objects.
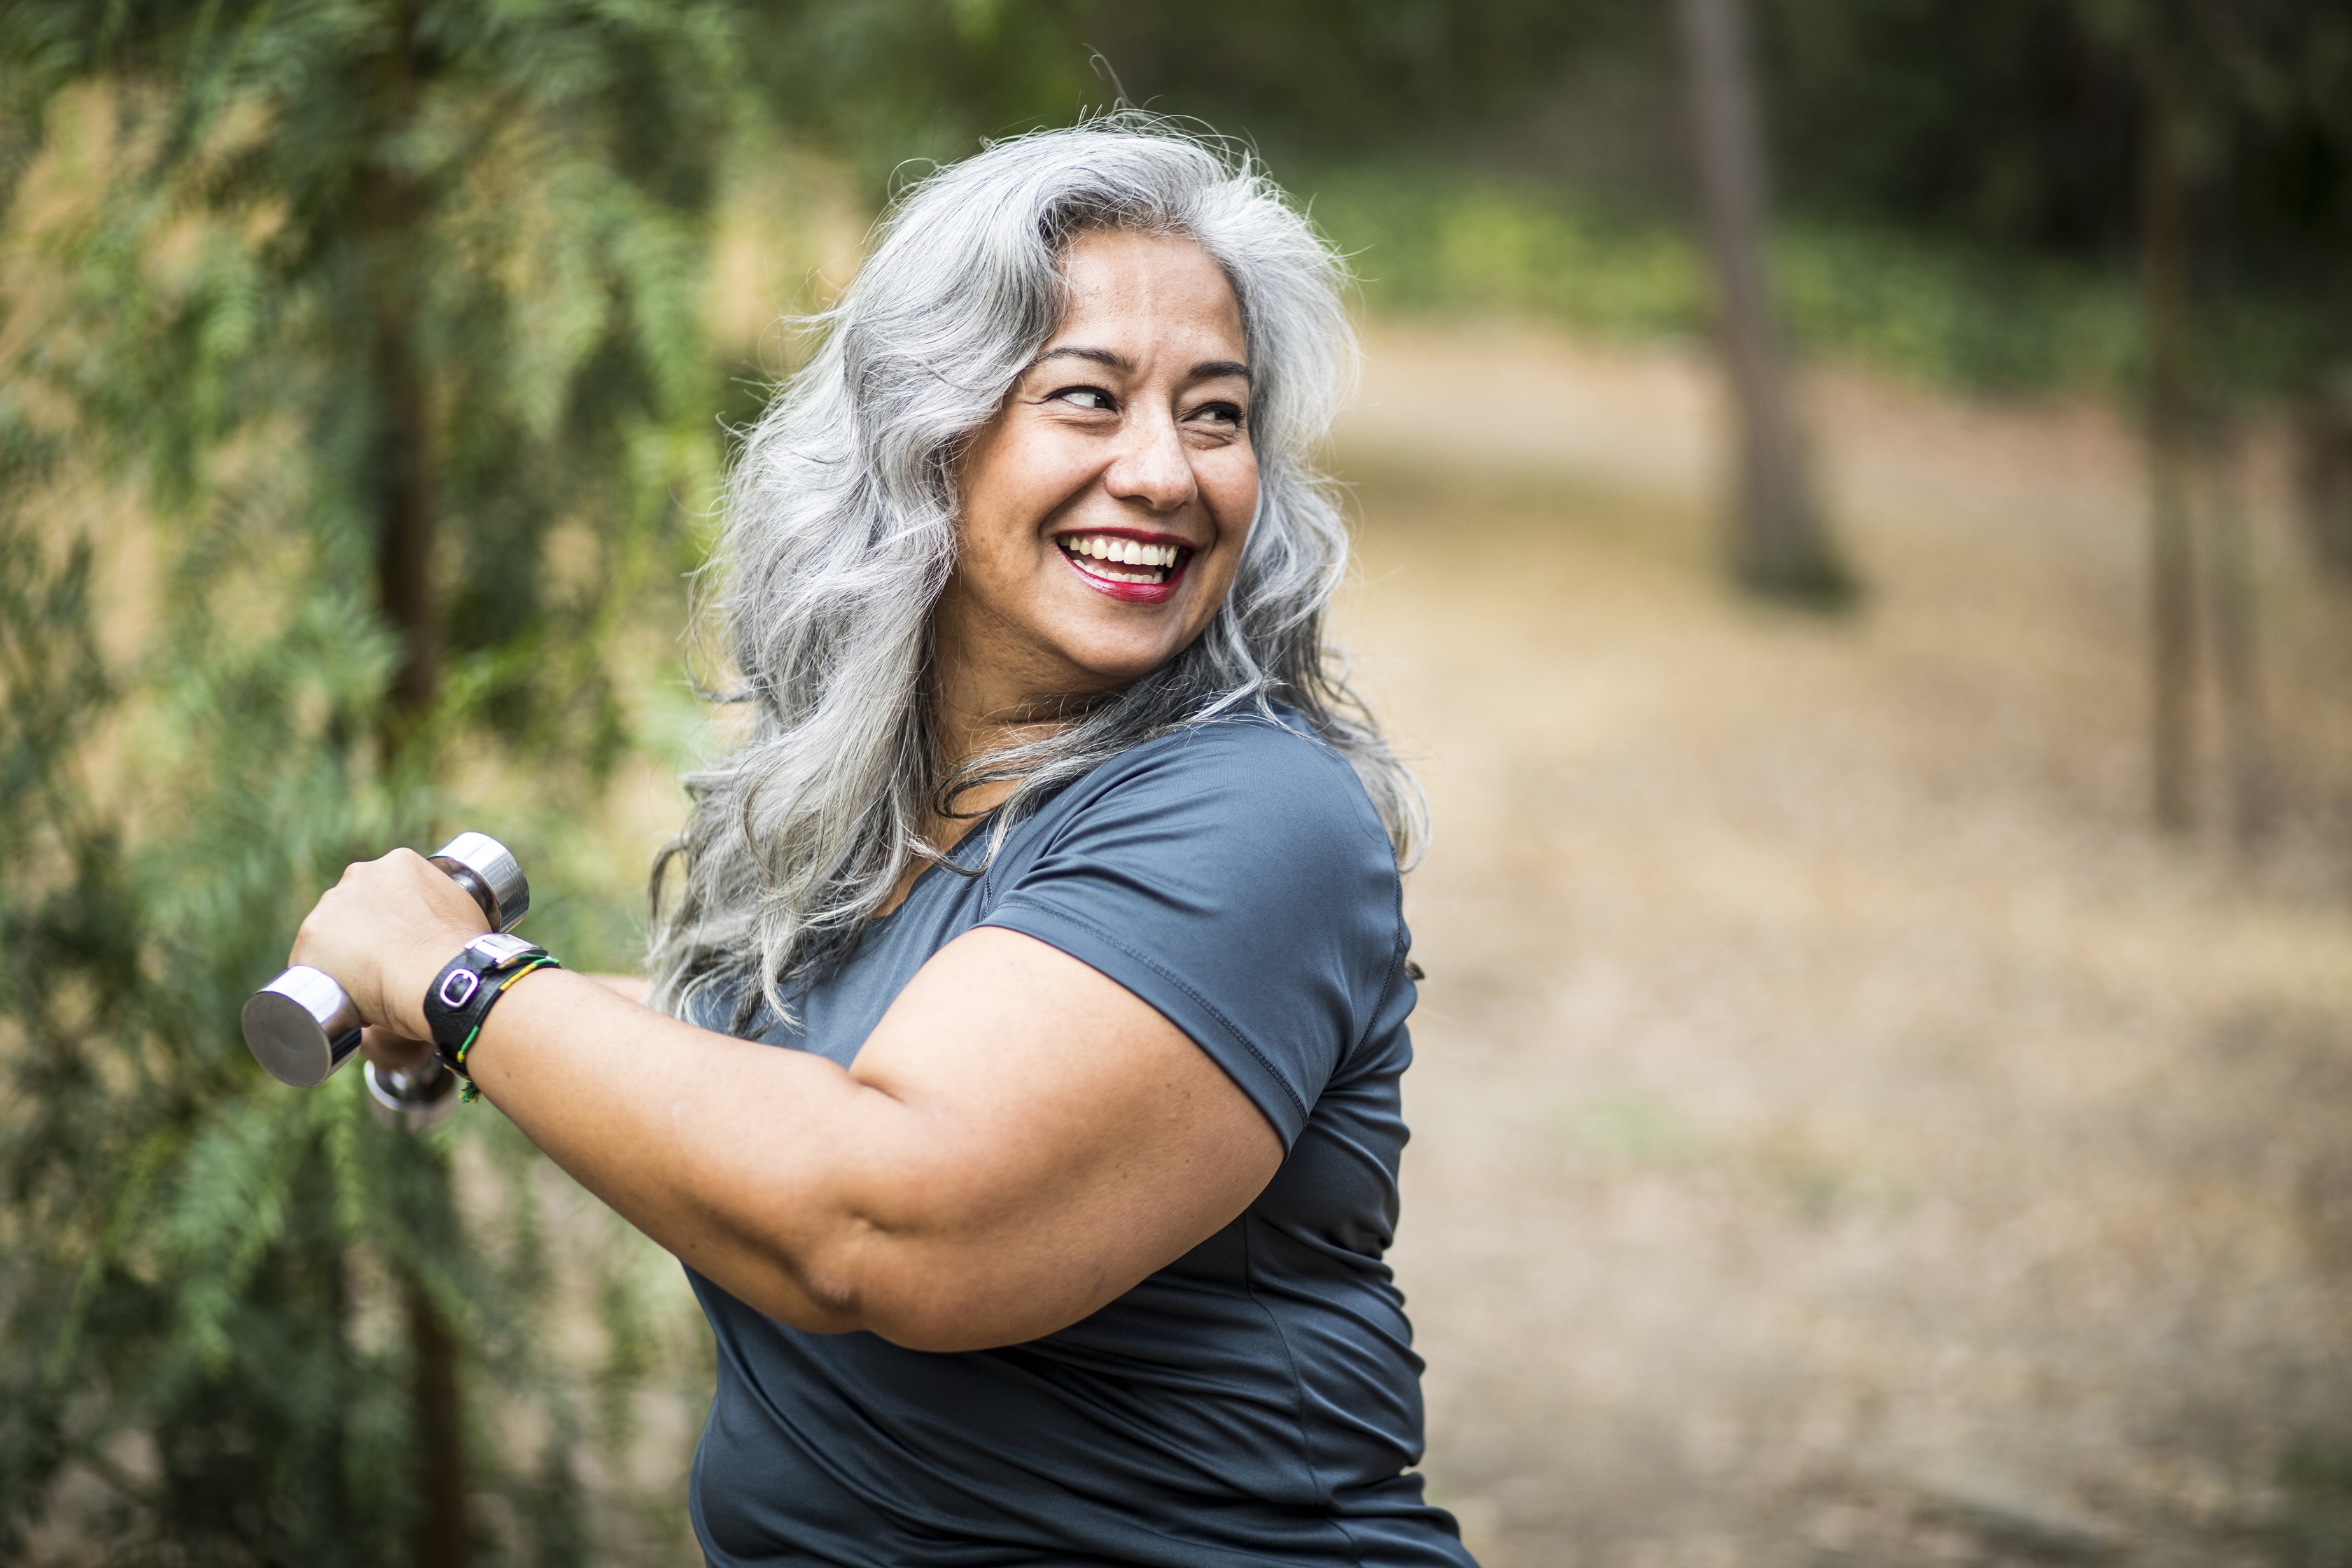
[
  {"x": 1111, "y": 664},
  {"x": 1118, "y": 643}
]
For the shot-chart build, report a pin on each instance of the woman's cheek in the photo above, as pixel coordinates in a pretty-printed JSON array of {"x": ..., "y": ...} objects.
[{"x": 1235, "y": 492}]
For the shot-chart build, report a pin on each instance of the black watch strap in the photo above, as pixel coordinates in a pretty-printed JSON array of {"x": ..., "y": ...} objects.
[{"x": 470, "y": 984}]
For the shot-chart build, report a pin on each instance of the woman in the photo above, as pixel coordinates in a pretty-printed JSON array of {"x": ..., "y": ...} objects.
[{"x": 1057, "y": 862}]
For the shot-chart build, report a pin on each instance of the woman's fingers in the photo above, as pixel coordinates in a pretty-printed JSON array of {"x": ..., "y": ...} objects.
[{"x": 384, "y": 930}]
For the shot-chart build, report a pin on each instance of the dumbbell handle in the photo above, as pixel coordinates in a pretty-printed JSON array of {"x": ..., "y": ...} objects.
[{"x": 301, "y": 1026}]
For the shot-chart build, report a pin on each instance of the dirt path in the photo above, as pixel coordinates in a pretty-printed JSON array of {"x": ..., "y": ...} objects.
[{"x": 1844, "y": 1134}]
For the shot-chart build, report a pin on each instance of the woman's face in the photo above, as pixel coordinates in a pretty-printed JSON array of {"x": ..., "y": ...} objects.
[{"x": 1105, "y": 504}]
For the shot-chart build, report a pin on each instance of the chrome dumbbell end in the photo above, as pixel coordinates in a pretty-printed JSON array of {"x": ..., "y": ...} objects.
[
  {"x": 414, "y": 1101},
  {"x": 486, "y": 870},
  {"x": 300, "y": 1026}
]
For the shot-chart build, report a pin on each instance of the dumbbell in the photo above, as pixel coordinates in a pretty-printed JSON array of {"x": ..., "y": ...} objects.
[{"x": 301, "y": 1026}]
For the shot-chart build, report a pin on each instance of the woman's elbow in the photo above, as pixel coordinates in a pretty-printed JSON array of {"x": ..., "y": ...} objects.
[
  {"x": 946, "y": 1304},
  {"x": 920, "y": 1296},
  {"x": 925, "y": 1275},
  {"x": 817, "y": 1290}
]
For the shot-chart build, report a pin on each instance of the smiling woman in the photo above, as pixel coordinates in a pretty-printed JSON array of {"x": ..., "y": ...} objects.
[{"x": 1022, "y": 1087}]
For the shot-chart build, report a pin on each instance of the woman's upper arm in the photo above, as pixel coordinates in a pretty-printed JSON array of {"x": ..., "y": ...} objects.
[{"x": 1062, "y": 1140}]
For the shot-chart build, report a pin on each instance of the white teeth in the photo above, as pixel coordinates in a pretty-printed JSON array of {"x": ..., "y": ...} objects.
[
  {"x": 1156, "y": 559},
  {"x": 1122, "y": 551}
]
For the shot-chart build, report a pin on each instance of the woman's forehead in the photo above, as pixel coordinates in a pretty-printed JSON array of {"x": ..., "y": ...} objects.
[{"x": 1129, "y": 290}]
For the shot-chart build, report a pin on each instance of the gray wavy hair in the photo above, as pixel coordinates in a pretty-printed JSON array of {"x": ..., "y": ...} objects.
[{"x": 839, "y": 532}]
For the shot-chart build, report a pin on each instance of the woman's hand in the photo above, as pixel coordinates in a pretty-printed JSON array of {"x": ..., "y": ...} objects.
[{"x": 382, "y": 933}]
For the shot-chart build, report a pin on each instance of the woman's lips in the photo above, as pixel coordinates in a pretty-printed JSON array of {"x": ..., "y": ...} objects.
[{"x": 1132, "y": 567}]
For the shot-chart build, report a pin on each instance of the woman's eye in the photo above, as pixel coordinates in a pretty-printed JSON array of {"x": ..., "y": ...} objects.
[
  {"x": 1093, "y": 398},
  {"x": 1220, "y": 413}
]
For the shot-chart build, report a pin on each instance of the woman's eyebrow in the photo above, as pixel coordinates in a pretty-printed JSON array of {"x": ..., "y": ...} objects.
[
  {"x": 1207, "y": 370},
  {"x": 1116, "y": 362}
]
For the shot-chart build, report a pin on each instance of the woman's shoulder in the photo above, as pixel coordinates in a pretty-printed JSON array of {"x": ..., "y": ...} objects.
[{"x": 1253, "y": 769}]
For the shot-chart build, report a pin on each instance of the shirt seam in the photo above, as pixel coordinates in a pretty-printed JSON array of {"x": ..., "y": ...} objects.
[
  {"x": 1398, "y": 946},
  {"x": 1297, "y": 1393},
  {"x": 1017, "y": 901}
]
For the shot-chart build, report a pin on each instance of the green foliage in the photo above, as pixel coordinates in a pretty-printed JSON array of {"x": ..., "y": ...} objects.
[
  {"x": 884, "y": 80},
  {"x": 1429, "y": 240},
  {"x": 1945, "y": 313},
  {"x": 267, "y": 269},
  {"x": 2015, "y": 129},
  {"x": 1958, "y": 178}
]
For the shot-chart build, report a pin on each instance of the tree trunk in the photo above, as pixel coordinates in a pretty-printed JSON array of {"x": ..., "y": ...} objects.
[
  {"x": 1780, "y": 546},
  {"x": 444, "y": 1535},
  {"x": 2172, "y": 564},
  {"x": 2237, "y": 656},
  {"x": 392, "y": 210},
  {"x": 333, "y": 1531},
  {"x": 405, "y": 545},
  {"x": 2323, "y": 467}
]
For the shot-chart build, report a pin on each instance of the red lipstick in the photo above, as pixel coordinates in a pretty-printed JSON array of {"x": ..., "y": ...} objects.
[{"x": 1126, "y": 592}]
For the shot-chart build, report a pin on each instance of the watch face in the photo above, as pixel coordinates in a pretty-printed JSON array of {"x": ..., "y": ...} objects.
[{"x": 499, "y": 947}]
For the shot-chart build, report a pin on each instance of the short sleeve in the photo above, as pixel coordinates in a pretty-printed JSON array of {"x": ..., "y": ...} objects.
[{"x": 1235, "y": 876}]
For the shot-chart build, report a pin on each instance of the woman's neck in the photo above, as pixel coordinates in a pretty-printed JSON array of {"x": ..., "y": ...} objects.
[
  {"x": 966, "y": 738},
  {"x": 979, "y": 707}
]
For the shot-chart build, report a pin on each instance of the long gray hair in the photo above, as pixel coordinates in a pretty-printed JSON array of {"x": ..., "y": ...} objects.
[{"x": 839, "y": 532}]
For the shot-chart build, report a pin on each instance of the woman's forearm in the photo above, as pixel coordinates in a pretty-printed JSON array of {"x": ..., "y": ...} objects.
[{"x": 632, "y": 987}]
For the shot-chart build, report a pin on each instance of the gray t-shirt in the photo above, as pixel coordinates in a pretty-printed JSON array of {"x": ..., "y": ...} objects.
[{"x": 1258, "y": 1399}]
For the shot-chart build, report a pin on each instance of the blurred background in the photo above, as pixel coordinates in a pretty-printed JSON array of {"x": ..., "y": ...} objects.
[{"x": 1855, "y": 505}]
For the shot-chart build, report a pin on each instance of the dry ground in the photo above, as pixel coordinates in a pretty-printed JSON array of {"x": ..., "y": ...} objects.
[{"x": 1844, "y": 1132}]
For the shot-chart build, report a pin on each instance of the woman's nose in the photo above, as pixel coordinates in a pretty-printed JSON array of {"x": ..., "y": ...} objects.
[{"x": 1152, "y": 469}]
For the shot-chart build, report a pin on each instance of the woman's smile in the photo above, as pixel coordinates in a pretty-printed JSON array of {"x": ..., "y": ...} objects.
[{"x": 1132, "y": 567}]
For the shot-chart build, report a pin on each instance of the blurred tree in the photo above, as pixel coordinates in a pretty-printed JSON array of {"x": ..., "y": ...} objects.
[
  {"x": 2219, "y": 85},
  {"x": 2172, "y": 564},
  {"x": 2015, "y": 125},
  {"x": 2324, "y": 470},
  {"x": 2206, "y": 144},
  {"x": 1780, "y": 544},
  {"x": 386, "y": 313}
]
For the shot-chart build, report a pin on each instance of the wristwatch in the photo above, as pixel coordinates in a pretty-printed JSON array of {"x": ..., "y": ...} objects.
[{"x": 470, "y": 984}]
